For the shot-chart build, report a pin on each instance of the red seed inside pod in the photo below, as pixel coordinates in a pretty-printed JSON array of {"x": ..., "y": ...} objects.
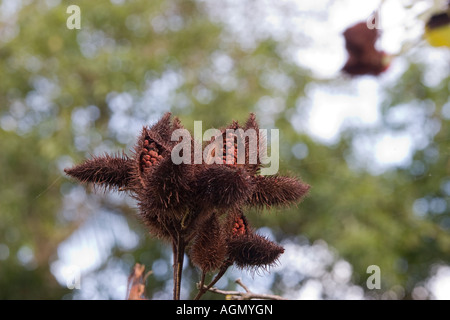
[
  {"x": 238, "y": 227},
  {"x": 149, "y": 154},
  {"x": 153, "y": 154}
]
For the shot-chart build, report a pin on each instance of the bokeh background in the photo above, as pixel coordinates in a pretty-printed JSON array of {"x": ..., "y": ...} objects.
[{"x": 374, "y": 149}]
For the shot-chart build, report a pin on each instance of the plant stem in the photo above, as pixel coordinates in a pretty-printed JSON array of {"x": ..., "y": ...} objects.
[{"x": 178, "y": 247}]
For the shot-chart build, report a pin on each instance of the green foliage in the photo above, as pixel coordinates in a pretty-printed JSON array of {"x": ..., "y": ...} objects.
[{"x": 50, "y": 72}]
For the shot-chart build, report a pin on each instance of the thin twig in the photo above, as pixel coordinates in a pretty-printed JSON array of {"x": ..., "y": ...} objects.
[
  {"x": 200, "y": 286},
  {"x": 239, "y": 282},
  {"x": 247, "y": 295},
  {"x": 203, "y": 289}
]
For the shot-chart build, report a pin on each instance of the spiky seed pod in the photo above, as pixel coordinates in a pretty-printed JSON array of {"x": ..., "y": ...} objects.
[
  {"x": 151, "y": 219},
  {"x": 209, "y": 249},
  {"x": 222, "y": 186},
  {"x": 162, "y": 130},
  {"x": 252, "y": 152},
  {"x": 247, "y": 249},
  {"x": 253, "y": 251},
  {"x": 108, "y": 172},
  {"x": 149, "y": 151},
  {"x": 154, "y": 145},
  {"x": 277, "y": 191},
  {"x": 177, "y": 200},
  {"x": 170, "y": 185},
  {"x": 165, "y": 186}
]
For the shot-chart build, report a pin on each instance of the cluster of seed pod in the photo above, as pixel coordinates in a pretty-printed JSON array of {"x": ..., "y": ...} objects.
[
  {"x": 238, "y": 227},
  {"x": 149, "y": 155}
]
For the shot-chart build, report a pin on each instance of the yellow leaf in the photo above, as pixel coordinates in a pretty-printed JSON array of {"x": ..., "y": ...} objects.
[
  {"x": 437, "y": 30},
  {"x": 438, "y": 37}
]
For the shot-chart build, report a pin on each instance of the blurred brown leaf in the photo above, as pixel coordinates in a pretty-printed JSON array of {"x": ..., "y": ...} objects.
[{"x": 136, "y": 283}]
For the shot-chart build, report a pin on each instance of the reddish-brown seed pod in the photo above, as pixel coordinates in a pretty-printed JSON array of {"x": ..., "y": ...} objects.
[
  {"x": 176, "y": 200},
  {"x": 253, "y": 251},
  {"x": 277, "y": 191},
  {"x": 222, "y": 186},
  {"x": 209, "y": 249},
  {"x": 106, "y": 171}
]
